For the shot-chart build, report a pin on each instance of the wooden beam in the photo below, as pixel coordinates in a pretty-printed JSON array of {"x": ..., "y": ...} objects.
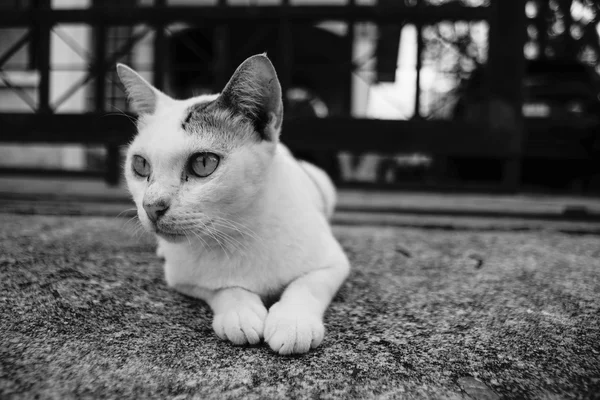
[
  {"x": 361, "y": 135},
  {"x": 332, "y": 134},
  {"x": 90, "y": 128},
  {"x": 260, "y": 14},
  {"x": 37, "y": 172}
]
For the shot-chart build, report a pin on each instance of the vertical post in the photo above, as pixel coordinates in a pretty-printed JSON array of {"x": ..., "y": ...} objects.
[
  {"x": 439, "y": 172},
  {"x": 505, "y": 75},
  {"x": 221, "y": 60},
  {"x": 387, "y": 45},
  {"x": 349, "y": 70},
  {"x": 570, "y": 45},
  {"x": 113, "y": 164},
  {"x": 99, "y": 61},
  {"x": 419, "y": 66},
  {"x": 160, "y": 54},
  {"x": 328, "y": 159},
  {"x": 44, "y": 30},
  {"x": 542, "y": 26},
  {"x": 99, "y": 70},
  {"x": 286, "y": 45}
]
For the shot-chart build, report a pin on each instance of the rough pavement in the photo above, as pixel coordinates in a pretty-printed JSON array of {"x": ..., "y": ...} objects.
[{"x": 426, "y": 313}]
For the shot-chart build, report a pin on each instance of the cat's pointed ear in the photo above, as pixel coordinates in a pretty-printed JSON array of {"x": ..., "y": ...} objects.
[
  {"x": 254, "y": 91},
  {"x": 143, "y": 97}
]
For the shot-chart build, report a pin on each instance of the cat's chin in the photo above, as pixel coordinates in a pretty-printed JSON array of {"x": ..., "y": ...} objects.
[{"x": 169, "y": 237}]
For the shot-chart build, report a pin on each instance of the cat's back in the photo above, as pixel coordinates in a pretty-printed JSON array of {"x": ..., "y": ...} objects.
[{"x": 311, "y": 180}]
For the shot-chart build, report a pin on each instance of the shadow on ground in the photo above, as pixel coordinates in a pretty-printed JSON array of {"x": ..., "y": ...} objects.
[{"x": 425, "y": 314}]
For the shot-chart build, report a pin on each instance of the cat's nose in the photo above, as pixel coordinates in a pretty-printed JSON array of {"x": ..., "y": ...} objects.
[{"x": 156, "y": 210}]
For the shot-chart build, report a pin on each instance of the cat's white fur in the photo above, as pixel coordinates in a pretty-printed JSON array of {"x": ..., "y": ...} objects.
[{"x": 270, "y": 211}]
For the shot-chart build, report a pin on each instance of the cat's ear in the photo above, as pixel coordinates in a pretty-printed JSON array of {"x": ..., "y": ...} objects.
[
  {"x": 254, "y": 91},
  {"x": 143, "y": 97}
]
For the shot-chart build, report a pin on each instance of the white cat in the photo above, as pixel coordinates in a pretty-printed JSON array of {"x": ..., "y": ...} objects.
[{"x": 238, "y": 219}]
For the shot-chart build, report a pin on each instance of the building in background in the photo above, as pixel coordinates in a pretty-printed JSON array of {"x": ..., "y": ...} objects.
[
  {"x": 317, "y": 90},
  {"x": 429, "y": 63}
]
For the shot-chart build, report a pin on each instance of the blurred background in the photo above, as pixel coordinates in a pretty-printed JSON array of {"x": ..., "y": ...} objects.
[{"x": 433, "y": 95}]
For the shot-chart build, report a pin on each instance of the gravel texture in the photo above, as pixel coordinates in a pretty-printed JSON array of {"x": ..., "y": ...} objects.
[{"x": 426, "y": 313}]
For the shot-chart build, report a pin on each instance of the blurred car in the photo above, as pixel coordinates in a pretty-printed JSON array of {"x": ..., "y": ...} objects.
[
  {"x": 561, "y": 110},
  {"x": 561, "y": 107},
  {"x": 560, "y": 90}
]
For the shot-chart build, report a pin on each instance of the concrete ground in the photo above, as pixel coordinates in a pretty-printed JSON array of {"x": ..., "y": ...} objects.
[{"x": 436, "y": 307}]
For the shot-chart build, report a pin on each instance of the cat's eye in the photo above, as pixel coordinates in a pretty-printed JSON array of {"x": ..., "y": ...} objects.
[
  {"x": 140, "y": 166},
  {"x": 204, "y": 164}
]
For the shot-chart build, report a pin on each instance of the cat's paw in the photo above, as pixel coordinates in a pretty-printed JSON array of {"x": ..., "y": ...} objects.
[
  {"x": 241, "y": 325},
  {"x": 292, "y": 329}
]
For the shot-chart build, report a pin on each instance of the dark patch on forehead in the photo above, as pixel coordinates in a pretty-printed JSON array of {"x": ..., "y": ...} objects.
[
  {"x": 207, "y": 114},
  {"x": 195, "y": 112}
]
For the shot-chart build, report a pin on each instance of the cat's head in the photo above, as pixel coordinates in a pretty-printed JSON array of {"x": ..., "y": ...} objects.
[{"x": 196, "y": 164}]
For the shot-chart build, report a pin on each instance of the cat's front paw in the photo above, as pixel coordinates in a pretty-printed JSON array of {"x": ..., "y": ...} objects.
[
  {"x": 292, "y": 329},
  {"x": 241, "y": 325}
]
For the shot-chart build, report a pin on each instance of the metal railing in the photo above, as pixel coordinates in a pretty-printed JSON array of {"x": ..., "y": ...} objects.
[{"x": 328, "y": 135}]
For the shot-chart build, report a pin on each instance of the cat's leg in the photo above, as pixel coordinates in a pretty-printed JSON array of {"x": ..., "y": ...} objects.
[
  {"x": 295, "y": 323},
  {"x": 239, "y": 315}
]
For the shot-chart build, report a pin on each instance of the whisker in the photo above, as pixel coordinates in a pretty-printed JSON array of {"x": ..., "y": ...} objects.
[
  {"x": 125, "y": 211},
  {"x": 122, "y": 113},
  {"x": 232, "y": 240},
  {"x": 241, "y": 229},
  {"x": 211, "y": 234},
  {"x": 216, "y": 238},
  {"x": 228, "y": 234},
  {"x": 185, "y": 233},
  {"x": 132, "y": 221},
  {"x": 204, "y": 243},
  {"x": 238, "y": 224}
]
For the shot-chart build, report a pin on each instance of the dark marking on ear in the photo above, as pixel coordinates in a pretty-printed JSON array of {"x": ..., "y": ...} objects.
[
  {"x": 254, "y": 92},
  {"x": 258, "y": 121},
  {"x": 260, "y": 124}
]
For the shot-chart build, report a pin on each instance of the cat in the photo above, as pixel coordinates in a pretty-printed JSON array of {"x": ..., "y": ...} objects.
[{"x": 237, "y": 218}]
